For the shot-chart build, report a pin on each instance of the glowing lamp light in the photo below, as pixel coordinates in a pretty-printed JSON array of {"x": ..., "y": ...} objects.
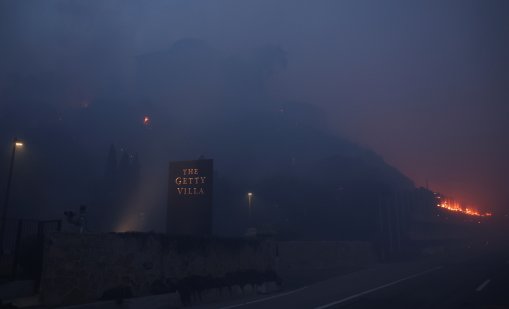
[
  {"x": 250, "y": 194},
  {"x": 19, "y": 144},
  {"x": 146, "y": 120}
]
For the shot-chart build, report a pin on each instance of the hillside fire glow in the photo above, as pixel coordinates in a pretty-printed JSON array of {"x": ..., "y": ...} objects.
[{"x": 456, "y": 207}]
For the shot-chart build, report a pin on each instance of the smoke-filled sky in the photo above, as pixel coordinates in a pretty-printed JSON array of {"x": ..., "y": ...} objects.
[{"x": 423, "y": 83}]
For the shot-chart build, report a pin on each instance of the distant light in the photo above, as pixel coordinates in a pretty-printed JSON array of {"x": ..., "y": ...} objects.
[
  {"x": 146, "y": 120},
  {"x": 250, "y": 194},
  {"x": 19, "y": 144}
]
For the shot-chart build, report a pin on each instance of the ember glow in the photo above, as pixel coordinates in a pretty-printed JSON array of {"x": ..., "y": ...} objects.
[
  {"x": 146, "y": 120},
  {"x": 456, "y": 207}
]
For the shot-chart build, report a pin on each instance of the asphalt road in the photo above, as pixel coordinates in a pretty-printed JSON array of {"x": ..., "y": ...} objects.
[
  {"x": 478, "y": 283},
  {"x": 459, "y": 282}
]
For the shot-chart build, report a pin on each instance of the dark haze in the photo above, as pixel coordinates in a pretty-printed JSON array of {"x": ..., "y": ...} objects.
[{"x": 294, "y": 100}]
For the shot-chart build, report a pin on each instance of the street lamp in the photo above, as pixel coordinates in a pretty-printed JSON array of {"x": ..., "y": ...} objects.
[
  {"x": 15, "y": 145},
  {"x": 251, "y": 230},
  {"x": 249, "y": 199}
]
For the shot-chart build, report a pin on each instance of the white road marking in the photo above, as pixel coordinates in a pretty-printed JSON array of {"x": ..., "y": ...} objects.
[
  {"x": 266, "y": 298},
  {"x": 377, "y": 288},
  {"x": 482, "y": 286}
]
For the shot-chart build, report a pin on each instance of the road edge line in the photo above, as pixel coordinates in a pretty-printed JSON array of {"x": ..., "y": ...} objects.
[{"x": 378, "y": 288}]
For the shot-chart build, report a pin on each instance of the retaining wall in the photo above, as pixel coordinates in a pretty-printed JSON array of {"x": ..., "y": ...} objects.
[
  {"x": 90, "y": 267},
  {"x": 83, "y": 268},
  {"x": 301, "y": 262}
]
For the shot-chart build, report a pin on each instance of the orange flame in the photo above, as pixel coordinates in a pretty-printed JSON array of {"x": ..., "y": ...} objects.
[{"x": 456, "y": 207}]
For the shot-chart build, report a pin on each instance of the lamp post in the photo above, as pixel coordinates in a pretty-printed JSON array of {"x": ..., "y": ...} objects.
[
  {"x": 15, "y": 144},
  {"x": 251, "y": 230},
  {"x": 249, "y": 199}
]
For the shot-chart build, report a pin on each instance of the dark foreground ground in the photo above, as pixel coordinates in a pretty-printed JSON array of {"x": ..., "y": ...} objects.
[{"x": 468, "y": 278}]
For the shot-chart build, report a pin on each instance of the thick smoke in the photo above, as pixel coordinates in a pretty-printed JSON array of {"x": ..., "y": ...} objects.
[{"x": 262, "y": 89}]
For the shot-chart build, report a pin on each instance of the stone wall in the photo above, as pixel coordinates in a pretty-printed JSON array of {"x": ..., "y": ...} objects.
[
  {"x": 86, "y": 268},
  {"x": 300, "y": 262},
  {"x": 83, "y": 268}
]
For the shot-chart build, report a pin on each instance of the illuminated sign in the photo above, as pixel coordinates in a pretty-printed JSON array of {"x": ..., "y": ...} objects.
[{"x": 190, "y": 198}]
